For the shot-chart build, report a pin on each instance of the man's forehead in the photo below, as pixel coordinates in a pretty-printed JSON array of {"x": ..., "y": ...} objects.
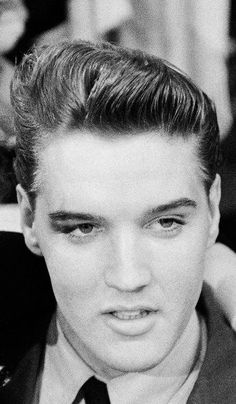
[
  {"x": 82, "y": 168},
  {"x": 86, "y": 156},
  {"x": 138, "y": 148}
]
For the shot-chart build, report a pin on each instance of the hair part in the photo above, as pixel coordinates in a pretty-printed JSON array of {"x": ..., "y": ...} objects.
[{"x": 106, "y": 89}]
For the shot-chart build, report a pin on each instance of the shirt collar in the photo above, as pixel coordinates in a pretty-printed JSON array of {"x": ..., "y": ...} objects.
[{"x": 60, "y": 384}]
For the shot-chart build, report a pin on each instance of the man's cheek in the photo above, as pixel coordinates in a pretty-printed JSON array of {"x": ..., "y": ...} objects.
[
  {"x": 184, "y": 287},
  {"x": 72, "y": 285}
]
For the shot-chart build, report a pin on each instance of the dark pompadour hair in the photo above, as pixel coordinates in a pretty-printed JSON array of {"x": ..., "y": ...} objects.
[{"x": 109, "y": 91}]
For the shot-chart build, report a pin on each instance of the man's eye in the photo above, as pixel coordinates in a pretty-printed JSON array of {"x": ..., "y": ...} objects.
[
  {"x": 167, "y": 223},
  {"x": 86, "y": 228},
  {"x": 166, "y": 226},
  {"x": 83, "y": 231}
]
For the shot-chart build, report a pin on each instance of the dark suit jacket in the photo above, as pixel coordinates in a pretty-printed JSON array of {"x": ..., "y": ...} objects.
[{"x": 27, "y": 303}]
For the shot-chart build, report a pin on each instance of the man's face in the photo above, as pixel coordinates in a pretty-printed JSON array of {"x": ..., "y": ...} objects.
[{"x": 124, "y": 226}]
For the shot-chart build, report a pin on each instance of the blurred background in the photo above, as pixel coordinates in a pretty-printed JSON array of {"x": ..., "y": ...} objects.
[{"x": 199, "y": 36}]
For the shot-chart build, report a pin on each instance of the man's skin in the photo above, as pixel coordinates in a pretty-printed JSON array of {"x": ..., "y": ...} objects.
[{"x": 124, "y": 228}]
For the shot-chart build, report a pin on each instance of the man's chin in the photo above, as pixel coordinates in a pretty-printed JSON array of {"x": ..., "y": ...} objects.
[{"x": 120, "y": 366}]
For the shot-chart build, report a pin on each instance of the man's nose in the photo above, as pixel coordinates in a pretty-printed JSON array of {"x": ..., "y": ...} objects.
[{"x": 128, "y": 268}]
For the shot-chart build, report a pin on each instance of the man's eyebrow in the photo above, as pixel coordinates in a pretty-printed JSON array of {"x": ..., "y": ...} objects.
[
  {"x": 65, "y": 216},
  {"x": 172, "y": 205},
  {"x": 61, "y": 216}
]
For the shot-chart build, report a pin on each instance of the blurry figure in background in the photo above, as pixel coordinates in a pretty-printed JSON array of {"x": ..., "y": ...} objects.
[
  {"x": 105, "y": 17},
  {"x": 90, "y": 20},
  {"x": 42, "y": 16},
  {"x": 12, "y": 21}
]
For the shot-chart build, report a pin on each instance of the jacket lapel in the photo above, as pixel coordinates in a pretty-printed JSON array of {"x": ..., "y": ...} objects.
[
  {"x": 216, "y": 381},
  {"x": 21, "y": 387}
]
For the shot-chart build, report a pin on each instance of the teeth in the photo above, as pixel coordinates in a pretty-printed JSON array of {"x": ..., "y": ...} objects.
[{"x": 130, "y": 315}]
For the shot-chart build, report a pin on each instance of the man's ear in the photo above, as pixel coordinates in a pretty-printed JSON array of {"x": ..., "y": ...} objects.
[
  {"x": 27, "y": 220},
  {"x": 214, "y": 202}
]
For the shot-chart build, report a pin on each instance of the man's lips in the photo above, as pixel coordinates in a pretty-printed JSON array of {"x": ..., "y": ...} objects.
[
  {"x": 131, "y": 321},
  {"x": 130, "y": 313}
]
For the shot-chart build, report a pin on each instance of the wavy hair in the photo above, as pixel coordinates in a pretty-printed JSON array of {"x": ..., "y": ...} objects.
[{"x": 109, "y": 91}]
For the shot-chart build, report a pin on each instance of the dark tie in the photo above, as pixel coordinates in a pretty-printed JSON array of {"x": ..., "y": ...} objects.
[{"x": 94, "y": 392}]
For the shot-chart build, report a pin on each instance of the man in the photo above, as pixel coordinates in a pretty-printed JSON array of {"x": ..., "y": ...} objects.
[{"x": 117, "y": 159}]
